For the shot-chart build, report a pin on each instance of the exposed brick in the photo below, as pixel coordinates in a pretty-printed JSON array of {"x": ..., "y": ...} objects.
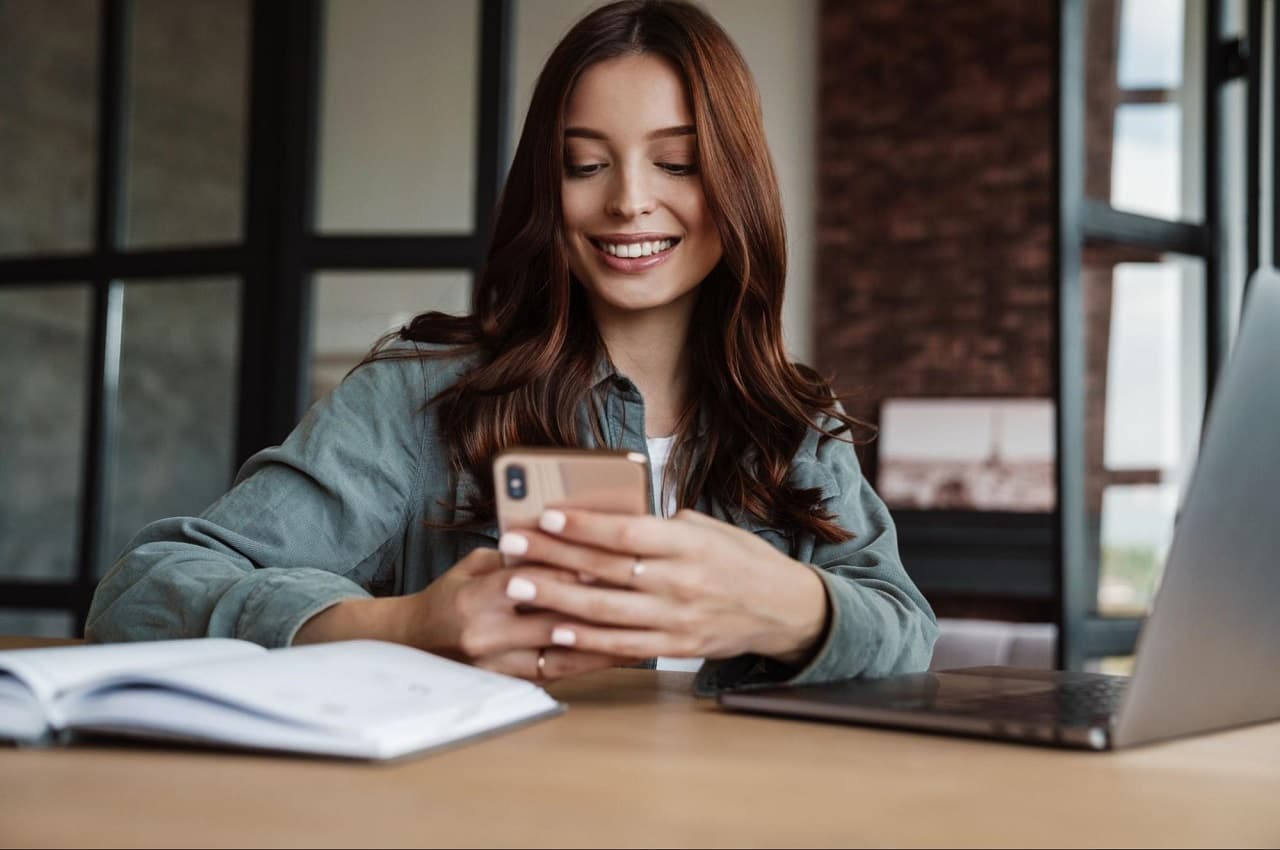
[{"x": 936, "y": 203}]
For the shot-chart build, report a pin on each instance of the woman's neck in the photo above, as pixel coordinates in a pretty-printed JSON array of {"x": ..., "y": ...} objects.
[{"x": 649, "y": 348}]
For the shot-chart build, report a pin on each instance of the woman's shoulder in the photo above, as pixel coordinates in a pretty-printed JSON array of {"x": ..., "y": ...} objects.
[
  {"x": 826, "y": 457},
  {"x": 421, "y": 369},
  {"x": 825, "y": 428}
]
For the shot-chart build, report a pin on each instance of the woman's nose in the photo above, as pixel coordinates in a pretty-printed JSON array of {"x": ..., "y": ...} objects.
[{"x": 629, "y": 195}]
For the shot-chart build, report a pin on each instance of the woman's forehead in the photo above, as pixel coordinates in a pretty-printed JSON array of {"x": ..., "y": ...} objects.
[{"x": 629, "y": 97}]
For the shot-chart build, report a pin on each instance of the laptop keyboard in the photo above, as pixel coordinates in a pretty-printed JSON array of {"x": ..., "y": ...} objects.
[{"x": 1068, "y": 702}]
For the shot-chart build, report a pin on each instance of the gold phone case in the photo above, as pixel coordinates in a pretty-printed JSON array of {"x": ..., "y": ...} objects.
[{"x": 599, "y": 480}]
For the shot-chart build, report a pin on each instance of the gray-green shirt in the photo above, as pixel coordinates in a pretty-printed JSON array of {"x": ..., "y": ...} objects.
[{"x": 344, "y": 509}]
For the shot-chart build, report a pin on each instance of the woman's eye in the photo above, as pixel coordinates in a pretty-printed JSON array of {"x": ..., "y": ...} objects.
[
  {"x": 675, "y": 169},
  {"x": 678, "y": 169}
]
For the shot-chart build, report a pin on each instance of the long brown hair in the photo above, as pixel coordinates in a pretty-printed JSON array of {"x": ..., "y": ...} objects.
[{"x": 749, "y": 407}]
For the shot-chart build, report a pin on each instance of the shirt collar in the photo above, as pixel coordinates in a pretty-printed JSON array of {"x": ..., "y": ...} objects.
[{"x": 607, "y": 373}]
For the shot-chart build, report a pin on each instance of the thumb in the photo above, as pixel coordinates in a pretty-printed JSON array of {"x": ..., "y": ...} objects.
[{"x": 480, "y": 562}]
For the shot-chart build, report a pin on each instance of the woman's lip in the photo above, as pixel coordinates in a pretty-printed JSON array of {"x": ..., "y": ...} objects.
[
  {"x": 628, "y": 238},
  {"x": 633, "y": 264}
]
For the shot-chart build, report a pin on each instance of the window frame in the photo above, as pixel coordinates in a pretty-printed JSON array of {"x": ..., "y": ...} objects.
[
  {"x": 274, "y": 259},
  {"x": 1084, "y": 634}
]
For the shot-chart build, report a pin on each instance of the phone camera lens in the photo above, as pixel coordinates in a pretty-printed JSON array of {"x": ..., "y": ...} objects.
[{"x": 515, "y": 481}]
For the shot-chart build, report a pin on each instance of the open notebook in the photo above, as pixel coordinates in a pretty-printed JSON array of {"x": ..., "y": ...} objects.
[{"x": 357, "y": 699}]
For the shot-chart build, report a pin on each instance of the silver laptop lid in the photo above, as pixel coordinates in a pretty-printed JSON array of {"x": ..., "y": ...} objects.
[{"x": 1209, "y": 654}]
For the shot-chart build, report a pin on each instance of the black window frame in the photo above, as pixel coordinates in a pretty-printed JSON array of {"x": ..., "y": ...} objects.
[
  {"x": 1083, "y": 634},
  {"x": 278, "y": 251}
]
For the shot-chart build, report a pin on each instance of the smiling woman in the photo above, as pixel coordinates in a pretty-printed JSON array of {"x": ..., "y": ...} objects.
[
  {"x": 635, "y": 165},
  {"x": 631, "y": 300}
]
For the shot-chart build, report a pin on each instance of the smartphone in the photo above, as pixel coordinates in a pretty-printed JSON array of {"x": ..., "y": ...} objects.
[{"x": 528, "y": 481}]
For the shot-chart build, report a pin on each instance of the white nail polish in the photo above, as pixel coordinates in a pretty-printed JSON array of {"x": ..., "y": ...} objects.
[
  {"x": 521, "y": 589},
  {"x": 563, "y": 637},
  {"x": 552, "y": 521},
  {"x": 513, "y": 544}
]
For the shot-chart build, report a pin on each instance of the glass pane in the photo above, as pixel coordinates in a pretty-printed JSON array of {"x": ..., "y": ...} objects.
[
  {"x": 1233, "y": 156},
  {"x": 44, "y": 340},
  {"x": 1145, "y": 156},
  {"x": 352, "y": 310},
  {"x": 186, "y": 142},
  {"x": 398, "y": 116},
  {"x": 37, "y": 623},
  {"x": 176, "y": 420},
  {"x": 1234, "y": 17},
  {"x": 1232, "y": 245},
  {"x": 1145, "y": 350},
  {"x": 1150, "y": 44},
  {"x": 1144, "y": 106},
  {"x": 1146, "y": 357},
  {"x": 1136, "y": 530},
  {"x": 48, "y": 125}
]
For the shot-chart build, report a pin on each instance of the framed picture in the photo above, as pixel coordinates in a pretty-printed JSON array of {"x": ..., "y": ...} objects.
[{"x": 971, "y": 454}]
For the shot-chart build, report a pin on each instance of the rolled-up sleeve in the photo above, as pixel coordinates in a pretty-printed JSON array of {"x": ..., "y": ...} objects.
[
  {"x": 307, "y": 524},
  {"x": 879, "y": 624}
]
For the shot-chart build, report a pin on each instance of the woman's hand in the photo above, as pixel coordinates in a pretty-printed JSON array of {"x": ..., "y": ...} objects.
[
  {"x": 466, "y": 615},
  {"x": 687, "y": 586}
]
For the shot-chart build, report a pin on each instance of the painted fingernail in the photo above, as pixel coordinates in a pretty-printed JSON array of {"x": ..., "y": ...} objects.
[
  {"x": 513, "y": 544},
  {"x": 521, "y": 589},
  {"x": 552, "y": 521},
  {"x": 563, "y": 637}
]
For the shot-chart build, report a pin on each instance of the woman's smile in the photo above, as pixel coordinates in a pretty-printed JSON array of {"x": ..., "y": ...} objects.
[{"x": 633, "y": 253}]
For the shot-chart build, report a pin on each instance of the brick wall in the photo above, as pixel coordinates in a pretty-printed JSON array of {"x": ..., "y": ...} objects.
[{"x": 936, "y": 217}]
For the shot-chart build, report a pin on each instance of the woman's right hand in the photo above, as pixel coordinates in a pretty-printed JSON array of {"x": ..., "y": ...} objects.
[{"x": 466, "y": 615}]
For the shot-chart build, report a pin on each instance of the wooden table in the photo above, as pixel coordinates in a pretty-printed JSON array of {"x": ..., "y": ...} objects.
[{"x": 637, "y": 761}]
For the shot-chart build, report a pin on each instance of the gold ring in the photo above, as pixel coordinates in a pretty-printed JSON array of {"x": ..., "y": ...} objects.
[{"x": 542, "y": 664}]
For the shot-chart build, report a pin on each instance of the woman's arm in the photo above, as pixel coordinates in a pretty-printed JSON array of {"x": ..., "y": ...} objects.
[
  {"x": 879, "y": 624},
  {"x": 695, "y": 586},
  {"x": 308, "y": 524}
]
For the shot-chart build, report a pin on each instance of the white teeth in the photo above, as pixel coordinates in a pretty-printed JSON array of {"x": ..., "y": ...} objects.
[{"x": 636, "y": 249}]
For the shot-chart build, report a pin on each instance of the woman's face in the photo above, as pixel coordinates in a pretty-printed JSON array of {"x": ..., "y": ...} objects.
[{"x": 636, "y": 221}]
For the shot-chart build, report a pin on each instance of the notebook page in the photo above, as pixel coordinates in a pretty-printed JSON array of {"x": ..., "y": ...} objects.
[
  {"x": 179, "y": 716},
  {"x": 52, "y": 671},
  {"x": 499, "y": 712},
  {"x": 21, "y": 717},
  {"x": 347, "y": 687}
]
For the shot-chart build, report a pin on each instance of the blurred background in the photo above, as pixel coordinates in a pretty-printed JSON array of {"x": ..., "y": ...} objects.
[{"x": 1019, "y": 236}]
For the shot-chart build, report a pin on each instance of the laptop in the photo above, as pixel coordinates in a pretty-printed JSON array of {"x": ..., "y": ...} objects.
[{"x": 1208, "y": 655}]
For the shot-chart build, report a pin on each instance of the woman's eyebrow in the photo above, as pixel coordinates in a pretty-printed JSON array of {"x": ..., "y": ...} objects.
[{"x": 588, "y": 133}]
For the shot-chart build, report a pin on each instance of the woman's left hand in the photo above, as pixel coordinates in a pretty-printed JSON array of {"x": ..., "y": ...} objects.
[{"x": 687, "y": 586}]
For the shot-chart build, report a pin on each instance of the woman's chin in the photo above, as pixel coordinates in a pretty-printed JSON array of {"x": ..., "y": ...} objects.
[
  {"x": 635, "y": 302},
  {"x": 634, "y": 296}
]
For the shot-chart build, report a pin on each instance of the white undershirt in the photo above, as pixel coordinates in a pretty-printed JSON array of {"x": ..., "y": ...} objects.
[{"x": 664, "y": 504}]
